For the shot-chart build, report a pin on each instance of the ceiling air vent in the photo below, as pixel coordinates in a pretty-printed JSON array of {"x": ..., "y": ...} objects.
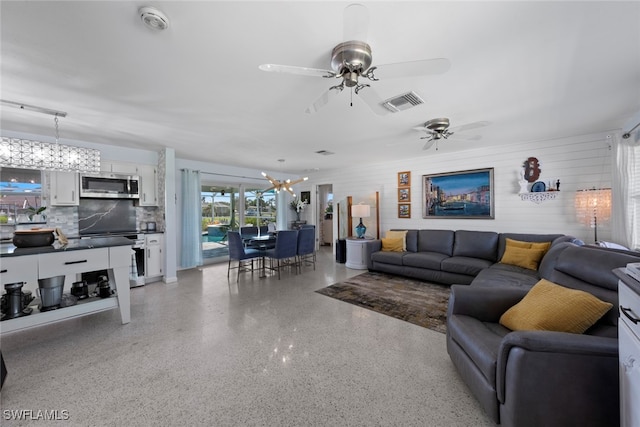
[
  {"x": 402, "y": 102},
  {"x": 325, "y": 152}
]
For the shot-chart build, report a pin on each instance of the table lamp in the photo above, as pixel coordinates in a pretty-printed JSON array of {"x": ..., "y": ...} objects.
[{"x": 362, "y": 211}]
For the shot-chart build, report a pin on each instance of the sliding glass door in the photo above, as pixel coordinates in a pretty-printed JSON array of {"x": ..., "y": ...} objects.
[
  {"x": 226, "y": 208},
  {"x": 219, "y": 216}
]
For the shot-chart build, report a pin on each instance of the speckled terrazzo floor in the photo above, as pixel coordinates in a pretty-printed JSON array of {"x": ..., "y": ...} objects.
[{"x": 204, "y": 351}]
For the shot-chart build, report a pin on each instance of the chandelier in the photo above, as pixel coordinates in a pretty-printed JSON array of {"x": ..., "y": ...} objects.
[
  {"x": 27, "y": 154},
  {"x": 283, "y": 185}
]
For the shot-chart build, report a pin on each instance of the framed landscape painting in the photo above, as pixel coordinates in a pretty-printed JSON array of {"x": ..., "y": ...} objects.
[
  {"x": 465, "y": 194},
  {"x": 404, "y": 195},
  {"x": 404, "y": 179},
  {"x": 404, "y": 211}
]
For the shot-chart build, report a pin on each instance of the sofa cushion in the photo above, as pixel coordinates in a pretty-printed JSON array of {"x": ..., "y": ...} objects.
[
  {"x": 393, "y": 244},
  {"x": 476, "y": 244},
  {"x": 553, "y": 238},
  {"x": 593, "y": 265},
  {"x": 506, "y": 275},
  {"x": 430, "y": 260},
  {"x": 411, "y": 239},
  {"x": 480, "y": 341},
  {"x": 551, "y": 307},
  {"x": 524, "y": 254},
  {"x": 522, "y": 257},
  {"x": 398, "y": 234},
  {"x": 464, "y": 265},
  {"x": 394, "y": 258},
  {"x": 440, "y": 241}
]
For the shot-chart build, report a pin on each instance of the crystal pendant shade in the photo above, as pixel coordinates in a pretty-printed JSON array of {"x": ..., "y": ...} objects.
[{"x": 26, "y": 154}]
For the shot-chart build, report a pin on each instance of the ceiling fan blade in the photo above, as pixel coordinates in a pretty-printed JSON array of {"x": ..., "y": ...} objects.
[
  {"x": 270, "y": 188},
  {"x": 373, "y": 100},
  {"x": 356, "y": 23},
  {"x": 465, "y": 137},
  {"x": 302, "y": 71},
  {"x": 423, "y": 129},
  {"x": 469, "y": 126},
  {"x": 429, "y": 144},
  {"x": 422, "y": 67},
  {"x": 323, "y": 100}
]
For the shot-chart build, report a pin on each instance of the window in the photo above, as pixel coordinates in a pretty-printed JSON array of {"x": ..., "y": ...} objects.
[
  {"x": 19, "y": 189},
  {"x": 260, "y": 207}
]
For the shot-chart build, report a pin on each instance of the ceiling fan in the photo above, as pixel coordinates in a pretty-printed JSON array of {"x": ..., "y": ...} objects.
[
  {"x": 438, "y": 129},
  {"x": 351, "y": 63}
]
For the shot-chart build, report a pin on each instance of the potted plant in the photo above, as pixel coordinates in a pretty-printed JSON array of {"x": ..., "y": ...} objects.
[
  {"x": 35, "y": 213},
  {"x": 328, "y": 211}
]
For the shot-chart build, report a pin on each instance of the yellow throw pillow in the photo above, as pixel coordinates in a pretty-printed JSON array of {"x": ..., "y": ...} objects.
[
  {"x": 551, "y": 307},
  {"x": 524, "y": 254},
  {"x": 528, "y": 245},
  {"x": 399, "y": 234},
  {"x": 392, "y": 244}
]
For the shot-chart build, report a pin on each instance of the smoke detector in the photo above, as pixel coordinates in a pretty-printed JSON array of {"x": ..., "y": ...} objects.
[{"x": 153, "y": 18}]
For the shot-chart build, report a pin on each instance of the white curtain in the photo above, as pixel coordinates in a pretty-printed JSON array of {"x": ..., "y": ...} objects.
[
  {"x": 626, "y": 192},
  {"x": 191, "y": 219}
]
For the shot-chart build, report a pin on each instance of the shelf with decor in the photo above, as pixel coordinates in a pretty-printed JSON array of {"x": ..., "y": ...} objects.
[{"x": 539, "y": 196}]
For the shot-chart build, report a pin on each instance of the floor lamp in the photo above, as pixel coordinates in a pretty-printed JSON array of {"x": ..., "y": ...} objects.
[{"x": 593, "y": 205}]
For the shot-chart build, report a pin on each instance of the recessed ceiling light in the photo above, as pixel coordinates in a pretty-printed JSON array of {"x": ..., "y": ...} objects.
[{"x": 153, "y": 18}]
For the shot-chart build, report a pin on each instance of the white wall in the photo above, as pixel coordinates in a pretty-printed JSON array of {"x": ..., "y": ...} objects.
[{"x": 579, "y": 162}]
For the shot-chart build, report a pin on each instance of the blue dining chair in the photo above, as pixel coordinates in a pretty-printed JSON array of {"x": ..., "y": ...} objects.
[
  {"x": 237, "y": 252},
  {"x": 285, "y": 252},
  {"x": 306, "y": 252}
]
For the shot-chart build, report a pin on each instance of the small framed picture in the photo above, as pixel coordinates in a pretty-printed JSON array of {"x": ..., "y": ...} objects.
[
  {"x": 404, "y": 195},
  {"x": 305, "y": 196},
  {"x": 404, "y": 211},
  {"x": 404, "y": 179}
]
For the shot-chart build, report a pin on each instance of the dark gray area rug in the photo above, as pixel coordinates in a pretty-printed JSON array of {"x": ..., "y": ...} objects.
[{"x": 421, "y": 303}]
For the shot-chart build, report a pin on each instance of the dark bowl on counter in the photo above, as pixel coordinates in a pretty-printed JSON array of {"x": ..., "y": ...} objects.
[{"x": 33, "y": 238}]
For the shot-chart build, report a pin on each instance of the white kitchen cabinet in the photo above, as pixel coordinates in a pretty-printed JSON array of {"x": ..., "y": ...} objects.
[
  {"x": 148, "y": 185},
  {"x": 64, "y": 189},
  {"x": 121, "y": 168},
  {"x": 629, "y": 352},
  {"x": 71, "y": 263},
  {"x": 20, "y": 269},
  {"x": 153, "y": 258}
]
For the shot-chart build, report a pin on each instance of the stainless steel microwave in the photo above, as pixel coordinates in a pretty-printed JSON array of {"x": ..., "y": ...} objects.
[{"x": 110, "y": 187}]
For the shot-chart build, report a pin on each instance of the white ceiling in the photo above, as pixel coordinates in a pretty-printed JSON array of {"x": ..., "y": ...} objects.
[{"x": 534, "y": 70}]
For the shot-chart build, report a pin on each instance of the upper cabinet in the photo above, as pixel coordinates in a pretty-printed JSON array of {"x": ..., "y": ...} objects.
[
  {"x": 119, "y": 167},
  {"x": 64, "y": 189},
  {"x": 148, "y": 175}
]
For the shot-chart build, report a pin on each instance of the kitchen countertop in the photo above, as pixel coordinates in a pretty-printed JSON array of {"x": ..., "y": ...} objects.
[
  {"x": 8, "y": 249},
  {"x": 632, "y": 283}
]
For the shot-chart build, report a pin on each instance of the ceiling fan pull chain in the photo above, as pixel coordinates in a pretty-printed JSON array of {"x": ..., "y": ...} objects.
[{"x": 351, "y": 102}]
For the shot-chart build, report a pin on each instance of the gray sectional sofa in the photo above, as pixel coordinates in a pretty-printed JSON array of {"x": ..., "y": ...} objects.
[
  {"x": 455, "y": 257},
  {"x": 521, "y": 378}
]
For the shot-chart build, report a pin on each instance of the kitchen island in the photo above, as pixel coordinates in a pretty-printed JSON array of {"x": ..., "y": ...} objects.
[{"x": 112, "y": 254}]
